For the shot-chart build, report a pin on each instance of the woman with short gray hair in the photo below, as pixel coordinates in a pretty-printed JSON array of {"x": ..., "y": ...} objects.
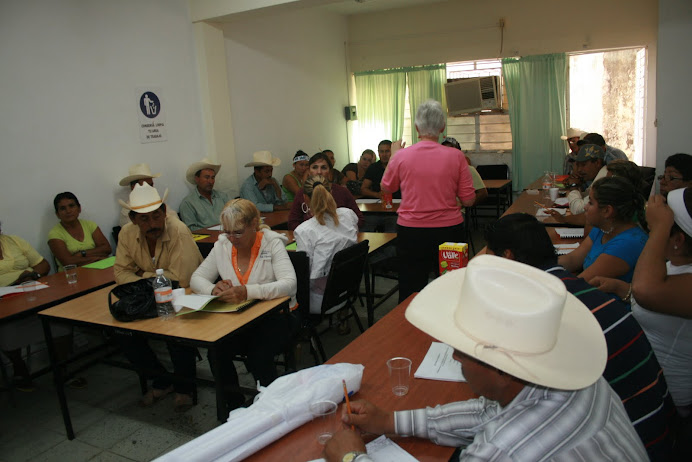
[{"x": 431, "y": 177}]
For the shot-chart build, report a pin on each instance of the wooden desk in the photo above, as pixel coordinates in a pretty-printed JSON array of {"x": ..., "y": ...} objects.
[
  {"x": 496, "y": 188},
  {"x": 391, "y": 336},
  {"x": 58, "y": 291},
  {"x": 206, "y": 330},
  {"x": 378, "y": 208},
  {"x": 278, "y": 220}
]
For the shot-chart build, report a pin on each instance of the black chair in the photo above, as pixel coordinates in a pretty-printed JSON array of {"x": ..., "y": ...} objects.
[
  {"x": 301, "y": 265},
  {"x": 649, "y": 176},
  {"x": 341, "y": 291},
  {"x": 497, "y": 201},
  {"x": 387, "y": 268},
  {"x": 115, "y": 233}
]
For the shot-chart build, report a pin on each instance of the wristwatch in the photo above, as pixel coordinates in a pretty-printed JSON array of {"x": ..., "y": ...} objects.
[
  {"x": 352, "y": 456},
  {"x": 83, "y": 252}
]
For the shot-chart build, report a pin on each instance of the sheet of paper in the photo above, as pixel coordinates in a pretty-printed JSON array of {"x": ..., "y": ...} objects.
[
  {"x": 199, "y": 237},
  {"x": 18, "y": 289},
  {"x": 562, "y": 201},
  {"x": 214, "y": 228},
  {"x": 543, "y": 213},
  {"x": 292, "y": 246},
  {"x": 439, "y": 364},
  {"x": 564, "y": 249},
  {"x": 396, "y": 201},
  {"x": 383, "y": 449},
  {"x": 367, "y": 201},
  {"x": 570, "y": 232},
  {"x": 193, "y": 301},
  {"x": 102, "y": 264}
]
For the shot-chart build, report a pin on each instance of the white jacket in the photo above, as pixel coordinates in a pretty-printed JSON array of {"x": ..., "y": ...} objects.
[{"x": 272, "y": 274}]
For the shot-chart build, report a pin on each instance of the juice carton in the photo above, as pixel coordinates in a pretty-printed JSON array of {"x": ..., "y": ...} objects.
[{"x": 453, "y": 255}]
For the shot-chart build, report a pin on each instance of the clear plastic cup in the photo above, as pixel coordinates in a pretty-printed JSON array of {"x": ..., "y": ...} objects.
[{"x": 399, "y": 375}]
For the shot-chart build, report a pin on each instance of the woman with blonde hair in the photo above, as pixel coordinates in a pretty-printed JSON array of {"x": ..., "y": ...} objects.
[
  {"x": 329, "y": 230},
  {"x": 252, "y": 263}
]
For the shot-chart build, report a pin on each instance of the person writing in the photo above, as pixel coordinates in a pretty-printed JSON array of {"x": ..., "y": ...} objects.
[
  {"x": 535, "y": 363},
  {"x": 74, "y": 241}
]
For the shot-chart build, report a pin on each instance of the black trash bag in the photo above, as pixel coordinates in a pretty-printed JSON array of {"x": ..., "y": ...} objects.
[{"x": 136, "y": 300}]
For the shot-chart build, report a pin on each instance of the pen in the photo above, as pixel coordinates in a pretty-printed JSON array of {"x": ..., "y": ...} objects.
[
  {"x": 540, "y": 205},
  {"x": 348, "y": 403}
]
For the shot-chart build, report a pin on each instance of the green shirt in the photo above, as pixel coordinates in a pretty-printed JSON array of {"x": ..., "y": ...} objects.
[
  {"x": 17, "y": 257},
  {"x": 197, "y": 212},
  {"x": 73, "y": 245}
]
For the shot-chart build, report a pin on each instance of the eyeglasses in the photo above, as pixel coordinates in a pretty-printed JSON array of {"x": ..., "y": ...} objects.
[
  {"x": 235, "y": 234},
  {"x": 669, "y": 178}
]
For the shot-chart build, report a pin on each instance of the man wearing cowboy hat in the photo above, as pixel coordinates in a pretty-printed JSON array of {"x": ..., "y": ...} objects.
[
  {"x": 202, "y": 207},
  {"x": 138, "y": 174},
  {"x": 260, "y": 187},
  {"x": 572, "y": 137},
  {"x": 154, "y": 240},
  {"x": 534, "y": 354}
]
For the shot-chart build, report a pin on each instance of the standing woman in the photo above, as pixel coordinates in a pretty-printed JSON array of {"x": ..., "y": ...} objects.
[
  {"x": 615, "y": 210},
  {"x": 330, "y": 230},
  {"x": 430, "y": 177},
  {"x": 300, "y": 210},
  {"x": 74, "y": 241},
  {"x": 293, "y": 181}
]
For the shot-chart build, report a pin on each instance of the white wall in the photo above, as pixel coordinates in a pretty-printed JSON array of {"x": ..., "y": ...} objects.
[
  {"x": 68, "y": 110},
  {"x": 287, "y": 80},
  {"x": 674, "y": 70}
]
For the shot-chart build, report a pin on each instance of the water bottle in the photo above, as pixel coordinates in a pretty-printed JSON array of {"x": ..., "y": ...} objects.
[
  {"x": 547, "y": 184},
  {"x": 163, "y": 292}
]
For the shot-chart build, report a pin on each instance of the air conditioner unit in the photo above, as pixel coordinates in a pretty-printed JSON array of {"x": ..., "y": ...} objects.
[{"x": 465, "y": 96}]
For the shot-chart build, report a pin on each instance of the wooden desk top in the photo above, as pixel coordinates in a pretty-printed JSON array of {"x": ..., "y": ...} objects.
[
  {"x": 378, "y": 208},
  {"x": 496, "y": 184},
  {"x": 389, "y": 337},
  {"x": 273, "y": 219},
  {"x": 377, "y": 240},
  {"x": 59, "y": 291},
  {"x": 204, "y": 327}
]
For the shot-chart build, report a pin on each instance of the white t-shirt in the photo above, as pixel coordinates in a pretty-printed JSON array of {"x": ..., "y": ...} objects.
[
  {"x": 321, "y": 242},
  {"x": 671, "y": 340}
]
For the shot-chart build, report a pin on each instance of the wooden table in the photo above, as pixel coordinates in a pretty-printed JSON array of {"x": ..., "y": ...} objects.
[
  {"x": 378, "y": 208},
  {"x": 392, "y": 336},
  {"x": 496, "y": 188},
  {"x": 206, "y": 330},
  {"x": 58, "y": 291}
]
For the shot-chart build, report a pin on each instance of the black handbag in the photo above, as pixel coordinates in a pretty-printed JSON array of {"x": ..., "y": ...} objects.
[{"x": 135, "y": 300}]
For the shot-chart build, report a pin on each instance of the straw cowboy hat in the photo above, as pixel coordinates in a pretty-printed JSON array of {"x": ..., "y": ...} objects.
[
  {"x": 138, "y": 172},
  {"x": 516, "y": 318},
  {"x": 144, "y": 199},
  {"x": 201, "y": 165},
  {"x": 262, "y": 158},
  {"x": 573, "y": 133}
]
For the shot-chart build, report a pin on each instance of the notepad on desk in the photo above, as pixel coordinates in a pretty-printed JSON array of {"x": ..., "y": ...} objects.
[
  {"x": 543, "y": 213},
  {"x": 439, "y": 364},
  {"x": 564, "y": 249},
  {"x": 209, "y": 304},
  {"x": 570, "y": 233},
  {"x": 383, "y": 449}
]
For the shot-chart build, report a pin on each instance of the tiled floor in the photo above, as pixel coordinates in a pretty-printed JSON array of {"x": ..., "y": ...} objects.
[{"x": 108, "y": 423}]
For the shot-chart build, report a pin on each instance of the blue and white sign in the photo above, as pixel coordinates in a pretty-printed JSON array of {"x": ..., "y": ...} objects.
[{"x": 152, "y": 120}]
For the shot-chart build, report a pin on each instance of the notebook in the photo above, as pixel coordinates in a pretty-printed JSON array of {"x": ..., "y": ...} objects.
[
  {"x": 566, "y": 233},
  {"x": 564, "y": 249},
  {"x": 543, "y": 213},
  {"x": 208, "y": 303}
]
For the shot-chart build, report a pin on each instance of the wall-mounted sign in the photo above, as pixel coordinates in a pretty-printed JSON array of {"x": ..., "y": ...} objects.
[{"x": 152, "y": 118}]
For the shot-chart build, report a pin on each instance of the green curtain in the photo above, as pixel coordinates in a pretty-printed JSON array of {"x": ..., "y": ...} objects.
[
  {"x": 381, "y": 96},
  {"x": 427, "y": 82},
  {"x": 536, "y": 94}
]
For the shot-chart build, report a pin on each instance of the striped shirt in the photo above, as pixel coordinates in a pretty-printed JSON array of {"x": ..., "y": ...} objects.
[
  {"x": 632, "y": 369},
  {"x": 539, "y": 424}
]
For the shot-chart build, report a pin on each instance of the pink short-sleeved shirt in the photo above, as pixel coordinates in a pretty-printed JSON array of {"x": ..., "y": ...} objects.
[{"x": 430, "y": 177}]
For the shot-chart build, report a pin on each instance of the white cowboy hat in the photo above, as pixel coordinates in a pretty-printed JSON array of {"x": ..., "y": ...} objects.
[
  {"x": 262, "y": 158},
  {"x": 138, "y": 172},
  {"x": 573, "y": 133},
  {"x": 144, "y": 199},
  {"x": 516, "y": 318},
  {"x": 201, "y": 165}
]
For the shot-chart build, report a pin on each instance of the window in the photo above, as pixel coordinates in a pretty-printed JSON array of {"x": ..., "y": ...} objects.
[
  {"x": 606, "y": 96},
  {"x": 484, "y": 132}
]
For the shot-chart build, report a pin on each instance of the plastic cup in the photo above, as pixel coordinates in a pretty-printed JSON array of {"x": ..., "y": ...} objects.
[
  {"x": 399, "y": 375},
  {"x": 554, "y": 192},
  {"x": 29, "y": 288},
  {"x": 71, "y": 273},
  {"x": 324, "y": 414}
]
